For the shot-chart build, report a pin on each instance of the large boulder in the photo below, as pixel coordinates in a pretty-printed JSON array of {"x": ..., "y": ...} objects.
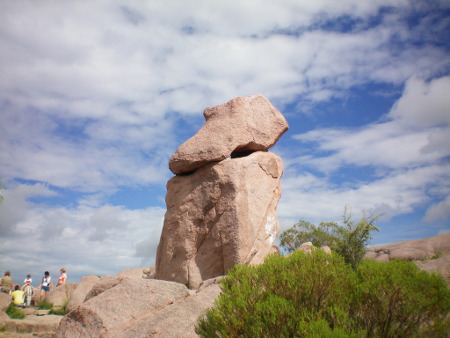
[
  {"x": 221, "y": 215},
  {"x": 104, "y": 284},
  {"x": 235, "y": 128},
  {"x": 61, "y": 295},
  {"x": 79, "y": 294},
  {"x": 132, "y": 273},
  {"x": 176, "y": 320},
  {"x": 121, "y": 306}
]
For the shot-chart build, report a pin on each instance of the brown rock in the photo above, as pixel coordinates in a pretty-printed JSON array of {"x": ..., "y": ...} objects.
[
  {"x": 132, "y": 273},
  {"x": 221, "y": 215},
  {"x": 175, "y": 320},
  {"x": 306, "y": 247},
  {"x": 119, "y": 307},
  {"x": 104, "y": 284},
  {"x": 5, "y": 299},
  {"x": 79, "y": 294},
  {"x": 61, "y": 294},
  {"x": 240, "y": 126}
]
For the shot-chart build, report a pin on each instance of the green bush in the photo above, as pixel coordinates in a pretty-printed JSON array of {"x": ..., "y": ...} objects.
[
  {"x": 318, "y": 295},
  {"x": 15, "y": 312},
  {"x": 349, "y": 240},
  {"x": 397, "y": 299}
]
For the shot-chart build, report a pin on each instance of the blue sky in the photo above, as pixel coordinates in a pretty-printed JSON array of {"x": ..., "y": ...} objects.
[{"x": 95, "y": 97}]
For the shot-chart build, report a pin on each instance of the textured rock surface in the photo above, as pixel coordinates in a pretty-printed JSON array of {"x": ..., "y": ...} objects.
[
  {"x": 4, "y": 301},
  {"x": 79, "y": 294},
  {"x": 176, "y": 320},
  {"x": 59, "y": 295},
  {"x": 221, "y": 215},
  {"x": 104, "y": 284},
  {"x": 240, "y": 126},
  {"x": 120, "y": 306},
  {"x": 418, "y": 249}
]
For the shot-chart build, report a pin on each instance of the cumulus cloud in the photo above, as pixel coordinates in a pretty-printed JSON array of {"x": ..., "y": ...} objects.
[
  {"x": 403, "y": 158},
  {"x": 96, "y": 96},
  {"x": 439, "y": 211}
]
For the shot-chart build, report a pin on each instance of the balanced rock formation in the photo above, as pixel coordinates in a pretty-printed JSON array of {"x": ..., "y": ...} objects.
[
  {"x": 235, "y": 128},
  {"x": 221, "y": 215},
  {"x": 222, "y": 211}
]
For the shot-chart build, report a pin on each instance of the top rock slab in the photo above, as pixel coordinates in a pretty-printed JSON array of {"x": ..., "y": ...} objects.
[{"x": 236, "y": 128}]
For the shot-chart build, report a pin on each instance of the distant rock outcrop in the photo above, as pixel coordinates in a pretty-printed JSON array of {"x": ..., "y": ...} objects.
[
  {"x": 235, "y": 128},
  {"x": 431, "y": 254}
]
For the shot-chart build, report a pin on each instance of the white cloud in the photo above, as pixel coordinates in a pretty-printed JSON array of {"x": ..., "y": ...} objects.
[
  {"x": 438, "y": 211},
  {"x": 96, "y": 96},
  {"x": 86, "y": 240}
]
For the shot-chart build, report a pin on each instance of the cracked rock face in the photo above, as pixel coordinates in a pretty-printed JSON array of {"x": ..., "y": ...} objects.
[
  {"x": 221, "y": 215},
  {"x": 236, "y": 128},
  {"x": 221, "y": 206}
]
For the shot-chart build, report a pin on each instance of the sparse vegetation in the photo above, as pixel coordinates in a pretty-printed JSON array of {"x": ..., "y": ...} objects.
[
  {"x": 15, "y": 312},
  {"x": 60, "y": 311},
  {"x": 349, "y": 240},
  {"x": 318, "y": 295},
  {"x": 44, "y": 305}
]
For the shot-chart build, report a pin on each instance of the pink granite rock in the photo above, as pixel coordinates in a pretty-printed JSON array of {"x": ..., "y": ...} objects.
[
  {"x": 79, "y": 294},
  {"x": 238, "y": 127},
  {"x": 221, "y": 215},
  {"x": 120, "y": 306}
]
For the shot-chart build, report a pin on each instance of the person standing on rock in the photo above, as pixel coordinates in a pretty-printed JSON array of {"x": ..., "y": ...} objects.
[
  {"x": 62, "y": 278},
  {"x": 28, "y": 289},
  {"x": 7, "y": 283},
  {"x": 45, "y": 285}
]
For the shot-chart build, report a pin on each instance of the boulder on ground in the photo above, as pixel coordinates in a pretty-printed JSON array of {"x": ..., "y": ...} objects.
[
  {"x": 79, "y": 294},
  {"x": 120, "y": 306},
  {"x": 306, "y": 247},
  {"x": 132, "y": 273},
  {"x": 61, "y": 295},
  {"x": 5, "y": 299},
  {"x": 175, "y": 320},
  {"x": 238, "y": 127},
  {"x": 221, "y": 215},
  {"x": 101, "y": 286}
]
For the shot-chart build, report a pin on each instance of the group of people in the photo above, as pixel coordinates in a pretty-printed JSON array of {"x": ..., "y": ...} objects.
[{"x": 22, "y": 294}]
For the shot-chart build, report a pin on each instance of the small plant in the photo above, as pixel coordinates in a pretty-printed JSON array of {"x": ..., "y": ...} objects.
[
  {"x": 436, "y": 256},
  {"x": 60, "y": 311},
  {"x": 14, "y": 312},
  {"x": 44, "y": 305},
  {"x": 4, "y": 328}
]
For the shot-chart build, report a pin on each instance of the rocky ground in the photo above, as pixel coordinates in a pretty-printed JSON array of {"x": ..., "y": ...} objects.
[
  {"x": 36, "y": 324},
  {"x": 143, "y": 307}
]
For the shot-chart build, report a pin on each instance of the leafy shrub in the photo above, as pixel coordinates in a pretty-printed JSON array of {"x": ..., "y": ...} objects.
[
  {"x": 44, "y": 305},
  {"x": 296, "y": 296},
  {"x": 318, "y": 295},
  {"x": 349, "y": 240},
  {"x": 397, "y": 299},
  {"x": 15, "y": 312}
]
